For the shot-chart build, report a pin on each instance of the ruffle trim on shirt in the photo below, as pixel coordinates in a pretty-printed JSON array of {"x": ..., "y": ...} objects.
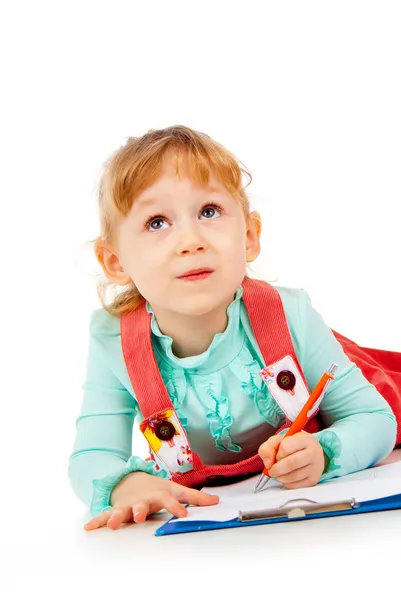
[
  {"x": 246, "y": 369},
  {"x": 331, "y": 445},
  {"x": 218, "y": 411},
  {"x": 103, "y": 487},
  {"x": 209, "y": 393}
]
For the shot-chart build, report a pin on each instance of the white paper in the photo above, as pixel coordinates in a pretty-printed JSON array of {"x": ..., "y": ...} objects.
[{"x": 370, "y": 484}]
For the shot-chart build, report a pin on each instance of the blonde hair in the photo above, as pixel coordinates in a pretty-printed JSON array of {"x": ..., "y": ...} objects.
[{"x": 137, "y": 165}]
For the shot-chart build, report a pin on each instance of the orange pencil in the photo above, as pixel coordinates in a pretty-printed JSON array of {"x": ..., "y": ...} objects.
[{"x": 303, "y": 416}]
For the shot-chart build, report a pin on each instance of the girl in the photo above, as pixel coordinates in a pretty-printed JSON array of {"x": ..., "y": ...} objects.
[{"x": 182, "y": 346}]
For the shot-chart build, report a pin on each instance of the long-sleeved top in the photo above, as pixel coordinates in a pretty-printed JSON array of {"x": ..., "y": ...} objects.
[{"x": 223, "y": 404}]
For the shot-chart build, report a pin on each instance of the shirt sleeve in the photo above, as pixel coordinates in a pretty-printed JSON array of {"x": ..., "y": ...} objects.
[
  {"x": 101, "y": 454},
  {"x": 360, "y": 427}
]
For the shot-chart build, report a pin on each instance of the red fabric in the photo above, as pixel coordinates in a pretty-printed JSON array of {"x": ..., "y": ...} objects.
[
  {"x": 382, "y": 368},
  {"x": 274, "y": 340}
]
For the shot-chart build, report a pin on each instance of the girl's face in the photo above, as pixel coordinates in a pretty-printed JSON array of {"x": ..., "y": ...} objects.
[{"x": 175, "y": 227}]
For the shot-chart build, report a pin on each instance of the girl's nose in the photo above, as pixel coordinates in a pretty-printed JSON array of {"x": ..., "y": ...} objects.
[
  {"x": 190, "y": 241},
  {"x": 193, "y": 249}
]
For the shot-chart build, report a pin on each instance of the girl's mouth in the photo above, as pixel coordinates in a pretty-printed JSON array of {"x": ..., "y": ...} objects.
[{"x": 196, "y": 274}]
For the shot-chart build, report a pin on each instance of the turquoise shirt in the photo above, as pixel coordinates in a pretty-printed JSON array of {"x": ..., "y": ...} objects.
[{"x": 223, "y": 404}]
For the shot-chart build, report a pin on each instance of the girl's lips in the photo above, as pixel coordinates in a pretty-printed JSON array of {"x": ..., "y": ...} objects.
[{"x": 196, "y": 274}]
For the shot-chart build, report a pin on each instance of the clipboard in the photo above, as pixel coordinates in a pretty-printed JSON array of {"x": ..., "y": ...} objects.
[
  {"x": 302, "y": 510},
  {"x": 386, "y": 477}
]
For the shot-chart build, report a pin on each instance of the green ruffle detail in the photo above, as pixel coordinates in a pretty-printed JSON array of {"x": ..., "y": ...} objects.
[
  {"x": 331, "y": 445},
  {"x": 246, "y": 369},
  {"x": 103, "y": 487},
  {"x": 209, "y": 390}
]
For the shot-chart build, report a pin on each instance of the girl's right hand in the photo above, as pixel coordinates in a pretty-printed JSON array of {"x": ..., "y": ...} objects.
[{"x": 138, "y": 495}]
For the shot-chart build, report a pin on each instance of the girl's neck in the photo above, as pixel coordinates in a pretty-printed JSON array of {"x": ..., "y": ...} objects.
[{"x": 192, "y": 335}]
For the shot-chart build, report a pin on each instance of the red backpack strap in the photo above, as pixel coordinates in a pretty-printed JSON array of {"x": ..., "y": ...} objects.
[
  {"x": 140, "y": 361},
  {"x": 268, "y": 320}
]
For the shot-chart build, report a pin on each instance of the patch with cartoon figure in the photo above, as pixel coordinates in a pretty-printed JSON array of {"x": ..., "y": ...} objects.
[{"x": 168, "y": 441}]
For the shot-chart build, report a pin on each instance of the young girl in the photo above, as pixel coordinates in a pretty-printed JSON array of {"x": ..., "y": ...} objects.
[{"x": 183, "y": 345}]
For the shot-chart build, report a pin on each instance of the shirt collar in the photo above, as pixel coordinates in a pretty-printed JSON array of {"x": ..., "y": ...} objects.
[{"x": 223, "y": 349}]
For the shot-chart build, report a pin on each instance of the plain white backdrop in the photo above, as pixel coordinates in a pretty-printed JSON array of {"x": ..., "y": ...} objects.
[{"x": 307, "y": 95}]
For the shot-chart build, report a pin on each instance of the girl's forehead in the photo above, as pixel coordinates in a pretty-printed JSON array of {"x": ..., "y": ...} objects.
[{"x": 169, "y": 179}]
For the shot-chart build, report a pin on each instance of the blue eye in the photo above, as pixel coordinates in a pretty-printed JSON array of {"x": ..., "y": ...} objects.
[
  {"x": 211, "y": 211},
  {"x": 156, "y": 224}
]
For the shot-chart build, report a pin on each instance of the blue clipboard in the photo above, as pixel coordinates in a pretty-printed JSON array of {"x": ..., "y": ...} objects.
[{"x": 284, "y": 514}]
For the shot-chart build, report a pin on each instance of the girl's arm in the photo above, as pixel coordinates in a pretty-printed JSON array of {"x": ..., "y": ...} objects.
[
  {"x": 360, "y": 427},
  {"x": 102, "y": 450}
]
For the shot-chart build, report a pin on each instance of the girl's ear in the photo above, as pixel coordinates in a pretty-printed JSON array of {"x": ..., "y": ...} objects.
[
  {"x": 110, "y": 263},
  {"x": 254, "y": 228}
]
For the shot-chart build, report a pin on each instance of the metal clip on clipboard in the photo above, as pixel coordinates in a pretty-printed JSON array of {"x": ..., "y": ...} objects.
[{"x": 294, "y": 509}]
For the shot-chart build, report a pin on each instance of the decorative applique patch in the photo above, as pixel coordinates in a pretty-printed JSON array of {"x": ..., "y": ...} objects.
[
  {"x": 286, "y": 385},
  {"x": 168, "y": 441}
]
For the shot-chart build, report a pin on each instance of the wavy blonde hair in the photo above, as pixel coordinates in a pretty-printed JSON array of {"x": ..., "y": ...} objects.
[{"x": 137, "y": 165}]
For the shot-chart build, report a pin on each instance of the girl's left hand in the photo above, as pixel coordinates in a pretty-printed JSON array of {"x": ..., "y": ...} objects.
[{"x": 298, "y": 460}]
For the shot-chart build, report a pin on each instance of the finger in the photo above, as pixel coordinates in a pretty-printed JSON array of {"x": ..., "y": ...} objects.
[
  {"x": 169, "y": 502},
  {"x": 98, "y": 521},
  {"x": 140, "y": 511},
  {"x": 294, "y": 476},
  {"x": 290, "y": 463},
  {"x": 191, "y": 496},
  {"x": 299, "y": 484},
  {"x": 293, "y": 443},
  {"x": 119, "y": 514},
  {"x": 268, "y": 450}
]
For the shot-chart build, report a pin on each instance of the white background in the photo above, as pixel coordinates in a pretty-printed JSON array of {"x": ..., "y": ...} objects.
[{"x": 307, "y": 95}]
